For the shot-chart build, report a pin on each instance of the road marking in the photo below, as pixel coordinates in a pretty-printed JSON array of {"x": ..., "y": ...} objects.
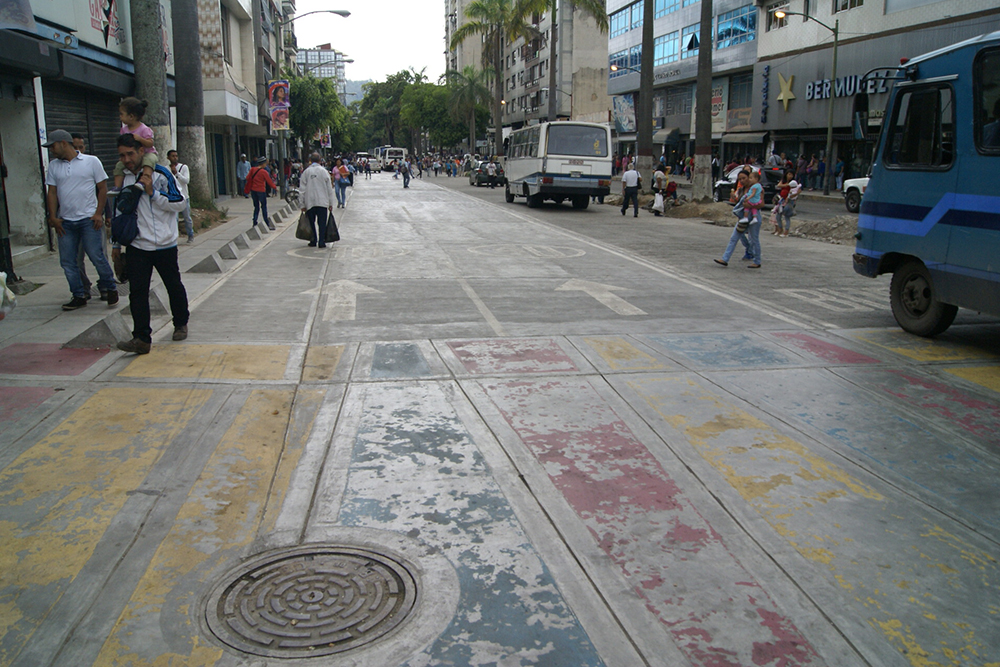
[
  {"x": 217, "y": 522},
  {"x": 832, "y": 300},
  {"x": 604, "y": 294},
  {"x": 621, "y": 355},
  {"x": 341, "y": 299},
  {"x": 513, "y": 355},
  {"x": 321, "y": 362},
  {"x": 481, "y": 306},
  {"x": 211, "y": 362},
  {"x": 985, "y": 376},
  {"x": 922, "y": 349},
  {"x": 518, "y": 250},
  {"x": 58, "y": 498}
]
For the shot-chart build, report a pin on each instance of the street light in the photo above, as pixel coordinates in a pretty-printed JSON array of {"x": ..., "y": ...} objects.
[
  {"x": 780, "y": 14},
  {"x": 308, "y": 68},
  {"x": 615, "y": 68},
  {"x": 559, "y": 90},
  {"x": 338, "y": 12}
]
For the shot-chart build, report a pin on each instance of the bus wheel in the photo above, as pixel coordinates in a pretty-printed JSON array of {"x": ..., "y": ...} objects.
[
  {"x": 507, "y": 195},
  {"x": 534, "y": 201},
  {"x": 581, "y": 201},
  {"x": 914, "y": 303}
]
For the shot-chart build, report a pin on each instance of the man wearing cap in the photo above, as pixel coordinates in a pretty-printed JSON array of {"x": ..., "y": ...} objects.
[
  {"x": 258, "y": 180},
  {"x": 77, "y": 191},
  {"x": 242, "y": 169}
]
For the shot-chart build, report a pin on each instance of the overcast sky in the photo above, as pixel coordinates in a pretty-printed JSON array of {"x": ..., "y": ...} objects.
[{"x": 382, "y": 36}]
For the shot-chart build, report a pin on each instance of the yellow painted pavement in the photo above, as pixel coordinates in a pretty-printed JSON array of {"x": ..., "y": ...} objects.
[
  {"x": 923, "y": 349},
  {"x": 621, "y": 355},
  {"x": 984, "y": 376},
  {"x": 219, "y": 519},
  {"x": 321, "y": 362},
  {"x": 58, "y": 497},
  {"x": 913, "y": 580},
  {"x": 211, "y": 362}
]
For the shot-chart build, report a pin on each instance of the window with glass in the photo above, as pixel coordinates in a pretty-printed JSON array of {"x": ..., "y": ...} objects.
[
  {"x": 227, "y": 43},
  {"x": 922, "y": 129},
  {"x": 736, "y": 27},
  {"x": 582, "y": 140},
  {"x": 620, "y": 22},
  {"x": 844, "y": 5},
  {"x": 688, "y": 3},
  {"x": 637, "y": 15},
  {"x": 689, "y": 41},
  {"x": 635, "y": 57},
  {"x": 773, "y": 22},
  {"x": 741, "y": 91},
  {"x": 665, "y": 49},
  {"x": 619, "y": 60},
  {"x": 664, "y": 7},
  {"x": 677, "y": 100},
  {"x": 986, "y": 108}
]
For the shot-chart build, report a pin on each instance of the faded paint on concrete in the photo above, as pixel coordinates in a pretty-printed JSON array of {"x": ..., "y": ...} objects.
[
  {"x": 416, "y": 470},
  {"x": 912, "y": 579},
  {"x": 512, "y": 355},
  {"x": 15, "y": 401},
  {"x": 210, "y": 362},
  {"x": 716, "y": 611},
  {"x": 984, "y": 376},
  {"x": 824, "y": 350},
  {"x": 321, "y": 362},
  {"x": 46, "y": 359},
  {"x": 922, "y": 349},
  {"x": 727, "y": 350},
  {"x": 621, "y": 355},
  {"x": 58, "y": 497},
  {"x": 399, "y": 361}
]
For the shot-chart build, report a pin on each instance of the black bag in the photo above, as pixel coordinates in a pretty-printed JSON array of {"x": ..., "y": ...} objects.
[
  {"x": 303, "y": 231},
  {"x": 332, "y": 234}
]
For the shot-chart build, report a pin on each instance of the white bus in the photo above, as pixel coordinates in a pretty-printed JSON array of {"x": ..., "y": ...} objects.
[
  {"x": 558, "y": 161},
  {"x": 389, "y": 155}
]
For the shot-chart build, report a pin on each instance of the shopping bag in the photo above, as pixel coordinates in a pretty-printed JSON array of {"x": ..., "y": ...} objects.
[
  {"x": 7, "y": 298},
  {"x": 303, "y": 231},
  {"x": 658, "y": 202},
  {"x": 332, "y": 233}
]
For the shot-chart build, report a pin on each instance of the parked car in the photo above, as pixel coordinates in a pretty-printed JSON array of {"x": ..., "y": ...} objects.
[
  {"x": 854, "y": 190},
  {"x": 478, "y": 175},
  {"x": 769, "y": 179}
]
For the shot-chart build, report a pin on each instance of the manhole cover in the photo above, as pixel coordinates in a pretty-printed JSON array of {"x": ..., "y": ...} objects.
[{"x": 310, "y": 601}]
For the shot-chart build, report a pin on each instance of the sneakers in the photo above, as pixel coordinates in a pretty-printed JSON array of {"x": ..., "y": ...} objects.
[
  {"x": 190, "y": 240},
  {"x": 111, "y": 297},
  {"x": 135, "y": 346},
  {"x": 180, "y": 333},
  {"x": 75, "y": 303}
]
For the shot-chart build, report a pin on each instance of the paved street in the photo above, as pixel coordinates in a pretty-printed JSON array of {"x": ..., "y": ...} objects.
[{"x": 473, "y": 433}]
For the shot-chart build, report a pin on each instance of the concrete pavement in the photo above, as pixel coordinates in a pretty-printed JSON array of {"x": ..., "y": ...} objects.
[{"x": 465, "y": 435}]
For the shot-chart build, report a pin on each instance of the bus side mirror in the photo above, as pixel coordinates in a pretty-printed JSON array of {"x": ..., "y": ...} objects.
[{"x": 859, "y": 119}]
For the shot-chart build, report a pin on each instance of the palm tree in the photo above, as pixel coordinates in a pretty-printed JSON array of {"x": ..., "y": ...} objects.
[
  {"x": 496, "y": 21},
  {"x": 467, "y": 90},
  {"x": 597, "y": 11}
]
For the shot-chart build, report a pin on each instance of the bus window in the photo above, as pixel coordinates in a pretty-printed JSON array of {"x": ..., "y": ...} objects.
[
  {"x": 922, "y": 132},
  {"x": 987, "y": 102},
  {"x": 577, "y": 140}
]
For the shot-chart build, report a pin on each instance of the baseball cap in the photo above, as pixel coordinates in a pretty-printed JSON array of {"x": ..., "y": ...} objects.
[{"x": 58, "y": 135}]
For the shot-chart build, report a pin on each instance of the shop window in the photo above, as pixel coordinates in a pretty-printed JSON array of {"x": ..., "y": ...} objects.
[
  {"x": 922, "y": 131},
  {"x": 737, "y": 27},
  {"x": 665, "y": 49},
  {"x": 664, "y": 7},
  {"x": 689, "y": 41},
  {"x": 773, "y": 22},
  {"x": 987, "y": 101},
  {"x": 844, "y": 5}
]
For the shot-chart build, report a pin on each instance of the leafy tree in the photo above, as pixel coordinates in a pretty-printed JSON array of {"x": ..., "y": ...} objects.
[
  {"x": 316, "y": 107},
  {"x": 467, "y": 91},
  {"x": 495, "y": 21},
  {"x": 381, "y": 104}
]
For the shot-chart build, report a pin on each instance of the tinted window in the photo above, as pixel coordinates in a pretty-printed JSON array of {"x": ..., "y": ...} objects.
[
  {"x": 987, "y": 102},
  {"x": 922, "y": 131},
  {"x": 577, "y": 140}
]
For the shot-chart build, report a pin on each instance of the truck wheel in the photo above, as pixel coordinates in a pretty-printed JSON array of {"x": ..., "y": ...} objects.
[
  {"x": 581, "y": 201},
  {"x": 507, "y": 195},
  {"x": 914, "y": 302},
  {"x": 853, "y": 201},
  {"x": 534, "y": 201}
]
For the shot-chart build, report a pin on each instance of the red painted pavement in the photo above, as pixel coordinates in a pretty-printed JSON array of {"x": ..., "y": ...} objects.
[
  {"x": 824, "y": 350},
  {"x": 14, "y": 401},
  {"x": 46, "y": 359},
  {"x": 525, "y": 355},
  {"x": 717, "y": 613}
]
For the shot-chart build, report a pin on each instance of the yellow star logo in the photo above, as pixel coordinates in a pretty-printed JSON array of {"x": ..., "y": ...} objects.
[{"x": 786, "y": 95}]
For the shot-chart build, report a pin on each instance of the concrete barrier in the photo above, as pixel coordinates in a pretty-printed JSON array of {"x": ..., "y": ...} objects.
[
  {"x": 228, "y": 251},
  {"x": 211, "y": 264}
]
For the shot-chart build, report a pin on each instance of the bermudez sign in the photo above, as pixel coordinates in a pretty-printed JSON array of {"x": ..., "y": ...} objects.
[{"x": 844, "y": 86}]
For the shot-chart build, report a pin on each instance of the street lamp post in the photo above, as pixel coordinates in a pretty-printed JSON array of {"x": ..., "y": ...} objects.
[
  {"x": 828, "y": 174},
  {"x": 338, "y": 12},
  {"x": 559, "y": 90}
]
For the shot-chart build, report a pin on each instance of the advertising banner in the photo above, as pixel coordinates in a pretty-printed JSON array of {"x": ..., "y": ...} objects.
[
  {"x": 624, "y": 113},
  {"x": 279, "y": 102}
]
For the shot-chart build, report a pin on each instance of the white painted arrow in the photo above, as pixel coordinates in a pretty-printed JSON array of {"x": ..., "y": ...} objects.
[
  {"x": 603, "y": 293},
  {"x": 342, "y": 299}
]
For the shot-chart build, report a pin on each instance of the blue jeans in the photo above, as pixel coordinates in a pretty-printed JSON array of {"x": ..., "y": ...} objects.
[
  {"x": 75, "y": 233},
  {"x": 188, "y": 224},
  {"x": 259, "y": 201},
  {"x": 340, "y": 188},
  {"x": 750, "y": 238},
  {"x": 406, "y": 178}
]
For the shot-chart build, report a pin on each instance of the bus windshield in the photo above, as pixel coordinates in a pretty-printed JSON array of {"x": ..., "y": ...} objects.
[{"x": 582, "y": 140}]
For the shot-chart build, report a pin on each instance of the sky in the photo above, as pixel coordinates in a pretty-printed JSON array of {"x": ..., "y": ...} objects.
[{"x": 381, "y": 36}]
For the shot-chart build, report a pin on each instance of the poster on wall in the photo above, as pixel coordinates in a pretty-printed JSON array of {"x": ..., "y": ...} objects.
[
  {"x": 623, "y": 107},
  {"x": 16, "y": 15},
  {"x": 279, "y": 102},
  {"x": 720, "y": 105}
]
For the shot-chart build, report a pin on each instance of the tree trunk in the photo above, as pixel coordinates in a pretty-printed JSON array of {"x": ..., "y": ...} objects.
[
  {"x": 151, "y": 70},
  {"x": 472, "y": 131},
  {"x": 190, "y": 100},
  {"x": 644, "y": 113},
  {"x": 701, "y": 186},
  {"x": 553, "y": 55},
  {"x": 498, "y": 97}
]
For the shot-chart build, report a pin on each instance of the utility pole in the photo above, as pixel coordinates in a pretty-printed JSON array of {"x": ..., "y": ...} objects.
[
  {"x": 701, "y": 186},
  {"x": 151, "y": 69},
  {"x": 190, "y": 98},
  {"x": 644, "y": 115},
  {"x": 553, "y": 59}
]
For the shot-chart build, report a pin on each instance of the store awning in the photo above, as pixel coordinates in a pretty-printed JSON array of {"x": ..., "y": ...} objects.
[
  {"x": 744, "y": 138},
  {"x": 668, "y": 135}
]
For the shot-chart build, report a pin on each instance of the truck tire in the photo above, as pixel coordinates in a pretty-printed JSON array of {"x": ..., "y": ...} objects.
[
  {"x": 534, "y": 201},
  {"x": 581, "y": 201},
  {"x": 914, "y": 301},
  {"x": 853, "y": 201}
]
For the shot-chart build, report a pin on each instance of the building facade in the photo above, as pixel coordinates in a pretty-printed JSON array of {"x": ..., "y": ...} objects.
[
  {"x": 326, "y": 62},
  {"x": 470, "y": 52}
]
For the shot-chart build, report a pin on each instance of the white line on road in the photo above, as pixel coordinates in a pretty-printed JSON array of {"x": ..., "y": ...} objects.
[{"x": 603, "y": 294}]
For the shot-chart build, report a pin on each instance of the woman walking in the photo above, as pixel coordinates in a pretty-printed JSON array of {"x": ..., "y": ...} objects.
[
  {"x": 748, "y": 228},
  {"x": 789, "y": 197}
]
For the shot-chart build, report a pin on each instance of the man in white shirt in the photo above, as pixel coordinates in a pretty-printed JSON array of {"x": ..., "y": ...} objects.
[
  {"x": 630, "y": 189},
  {"x": 183, "y": 177},
  {"x": 154, "y": 247},
  {"x": 491, "y": 171},
  {"x": 76, "y": 194},
  {"x": 316, "y": 190}
]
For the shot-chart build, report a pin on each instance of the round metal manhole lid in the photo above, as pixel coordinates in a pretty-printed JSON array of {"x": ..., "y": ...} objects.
[{"x": 310, "y": 601}]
